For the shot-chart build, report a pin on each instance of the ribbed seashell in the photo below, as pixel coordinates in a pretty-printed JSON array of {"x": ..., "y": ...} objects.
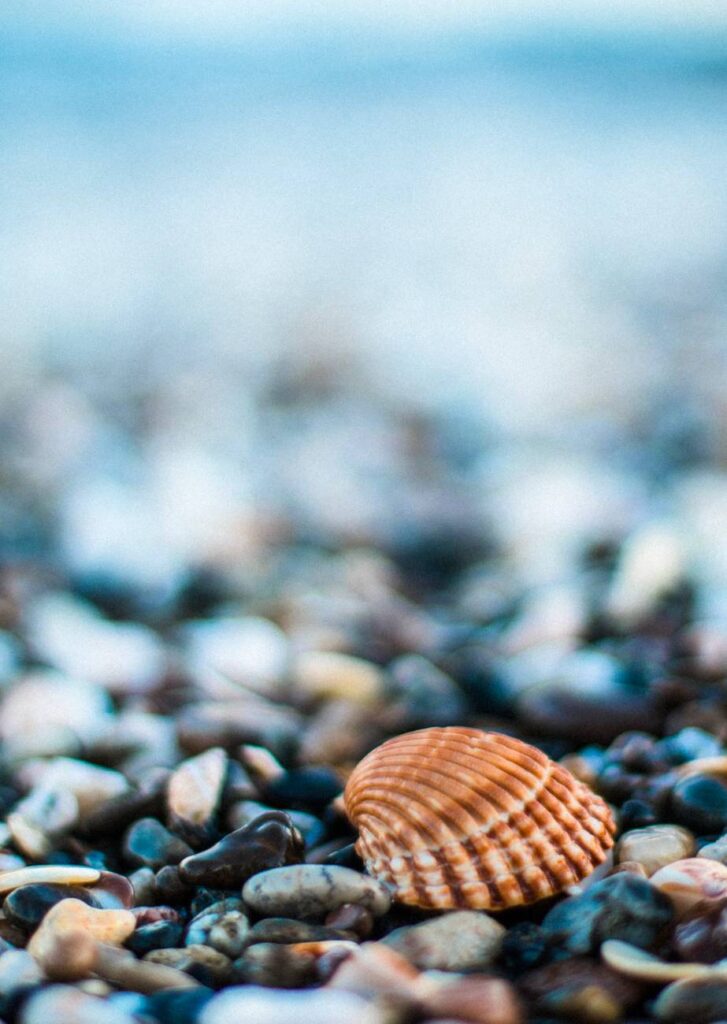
[{"x": 455, "y": 817}]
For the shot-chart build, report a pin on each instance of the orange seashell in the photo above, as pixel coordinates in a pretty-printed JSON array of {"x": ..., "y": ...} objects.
[{"x": 455, "y": 817}]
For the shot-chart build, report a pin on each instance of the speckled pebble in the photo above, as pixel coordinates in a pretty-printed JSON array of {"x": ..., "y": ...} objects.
[{"x": 312, "y": 889}]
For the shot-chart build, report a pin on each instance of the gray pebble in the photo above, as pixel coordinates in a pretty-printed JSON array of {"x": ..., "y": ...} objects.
[
  {"x": 285, "y": 929},
  {"x": 458, "y": 941},
  {"x": 303, "y": 890}
]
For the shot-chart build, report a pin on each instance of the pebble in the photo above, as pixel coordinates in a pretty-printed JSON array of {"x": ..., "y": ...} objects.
[
  {"x": 459, "y": 941},
  {"x": 313, "y": 889},
  {"x": 702, "y": 937},
  {"x": 622, "y": 906},
  {"x": 179, "y": 1007},
  {"x": 113, "y": 891},
  {"x": 375, "y": 970},
  {"x": 229, "y": 723},
  {"x": 419, "y": 695},
  {"x": 312, "y": 788},
  {"x": 268, "y": 841},
  {"x": 52, "y": 874},
  {"x": 28, "y": 905},
  {"x": 229, "y": 933},
  {"x": 700, "y": 804},
  {"x": 66, "y": 1004},
  {"x": 556, "y": 710},
  {"x": 201, "y": 962},
  {"x": 285, "y": 929},
  {"x": 696, "y": 881},
  {"x": 90, "y": 785},
  {"x": 249, "y": 651},
  {"x": 122, "y": 969},
  {"x": 656, "y": 846},
  {"x": 581, "y": 989},
  {"x": 19, "y": 972},
  {"x": 286, "y": 965},
  {"x": 715, "y": 851},
  {"x": 155, "y": 935},
  {"x": 73, "y": 714},
  {"x": 39, "y": 821},
  {"x": 112, "y": 927},
  {"x": 194, "y": 792},
  {"x": 149, "y": 844},
  {"x": 266, "y": 1006},
  {"x": 351, "y": 918},
  {"x": 637, "y": 963},
  {"x": 330, "y": 675},
  {"x": 475, "y": 999},
  {"x": 693, "y": 1001}
]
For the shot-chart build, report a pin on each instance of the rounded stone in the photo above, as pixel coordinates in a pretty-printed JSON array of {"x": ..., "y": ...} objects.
[
  {"x": 699, "y": 802},
  {"x": 702, "y": 937},
  {"x": 268, "y": 841},
  {"x": 157, "y": 935},
  {"x": 268, "y": 1006},
  {"x": 314, "y": 787},
  {"x": 313, "y": 889},
  {"x": 655, "y": 846},
  {"x": 459, "y": 941}
]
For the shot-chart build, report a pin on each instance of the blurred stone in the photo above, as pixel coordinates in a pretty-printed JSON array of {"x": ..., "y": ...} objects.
[
  {"x": 194, "y": 792},
  {"x": 655, "y": 846},
  {"x": 457, "y": 941}
]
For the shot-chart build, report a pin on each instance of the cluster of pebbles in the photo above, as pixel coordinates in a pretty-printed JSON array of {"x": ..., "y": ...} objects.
[{"x": 173, "y": 842}]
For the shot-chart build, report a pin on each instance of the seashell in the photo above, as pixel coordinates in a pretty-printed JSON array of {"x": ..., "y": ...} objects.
[{"x": 456, "y": 817}]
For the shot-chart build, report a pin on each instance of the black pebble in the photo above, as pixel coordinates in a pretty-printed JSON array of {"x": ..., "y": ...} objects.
[
  {"x": 637, "y": 814},
  {"x": 268, "y": 841},
  {"x": 157, "y": 935},
  {"x": 28, "y": 905},
  {"x": 303, "y": 788},
  {"x": 179, "y": 1006},
  {"x": 700, "y": 804}
]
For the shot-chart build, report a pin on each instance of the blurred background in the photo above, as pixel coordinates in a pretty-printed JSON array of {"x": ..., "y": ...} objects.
[{"x": 360, "y": 273}]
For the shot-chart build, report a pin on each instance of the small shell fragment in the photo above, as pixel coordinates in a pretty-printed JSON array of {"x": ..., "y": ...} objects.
[
  {"x": 637, "y": 963},
  {"x": 693, "y": 882},
  {"x": 457, "y": 817}
]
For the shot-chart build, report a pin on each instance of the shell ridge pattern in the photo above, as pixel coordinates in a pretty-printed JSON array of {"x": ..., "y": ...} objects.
[{"x": 452, "y": 817}]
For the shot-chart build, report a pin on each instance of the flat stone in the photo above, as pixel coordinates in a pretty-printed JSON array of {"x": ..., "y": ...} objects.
[
  {"x": 268, "y": 841},
  {"x": 194, "y": 793},
  {"x": 313, "y": 889},
  {"x": 655, "y": 846},
  {"x": 123, "y": 970},
  {"x": 53, "y": 874},
  {"x": 459, "y": 941},
  {"x": 267, "y": 1006}
]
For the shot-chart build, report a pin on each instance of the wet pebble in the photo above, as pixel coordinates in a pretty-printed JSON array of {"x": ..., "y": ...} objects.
[
  {"x": 156, "y": 935},
  {"x": 655, "y": 846},
  {"x": 458, "y": 941},
  {"x": 149, "y": 844},
  {"x": 28, "y": 905},
  {"x": 313, "y": 889},
  {"x": 268, "y": 841},
  {"x": 700, "y": 804}
]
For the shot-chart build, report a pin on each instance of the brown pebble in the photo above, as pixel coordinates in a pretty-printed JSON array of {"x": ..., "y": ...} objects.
[{"x": 476, "y": 998}]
